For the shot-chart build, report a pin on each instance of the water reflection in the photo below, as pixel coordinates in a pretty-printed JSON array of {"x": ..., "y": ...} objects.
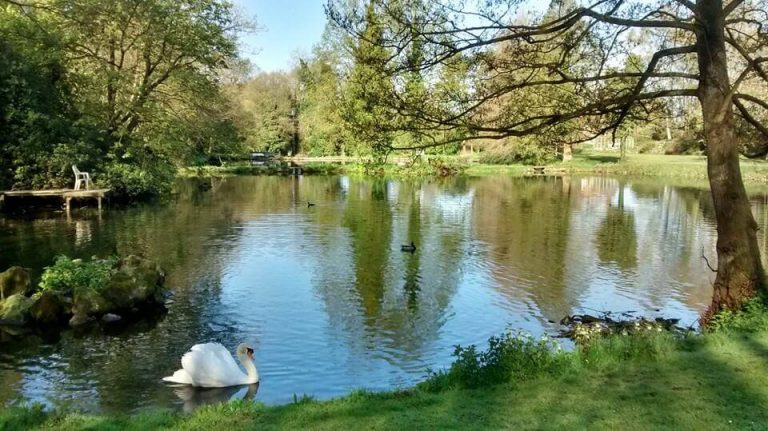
[
  {"x": 193, "y": 397},
  {"x": 327, "y": 298},
  {"x": 616, "y": 239}
]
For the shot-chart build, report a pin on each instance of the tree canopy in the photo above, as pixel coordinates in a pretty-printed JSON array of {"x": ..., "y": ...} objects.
[
  {"x": 589, "y": 69},
  {"x": 130, "y": 80}
]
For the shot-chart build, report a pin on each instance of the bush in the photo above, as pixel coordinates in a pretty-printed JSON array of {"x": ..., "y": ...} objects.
[
  {"x": 511, "y": 356},
  {"x": 69, "y": 275},
  {"x": 753, "y": 317},
  {"x": 133, "y": 182},
  {"x": 685, "y": 146},
  {"x": 523, "y": 152}
]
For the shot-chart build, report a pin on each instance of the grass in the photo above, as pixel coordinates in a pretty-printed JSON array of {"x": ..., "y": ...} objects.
[
  {"x": 652, "y": 165},
  {"x": 685, "y": 168},
  {"x": 647, "y": 381}
]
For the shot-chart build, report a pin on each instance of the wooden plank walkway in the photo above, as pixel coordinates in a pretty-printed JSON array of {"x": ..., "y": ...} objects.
[{"x": 65, "y": 194}]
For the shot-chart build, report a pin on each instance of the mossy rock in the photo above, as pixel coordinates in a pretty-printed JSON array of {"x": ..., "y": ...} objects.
[
  {"x": 14, "y": 310},
  {"x": 14, "y": 280},
  {"x": 48, "y": 308},
  {"x": 136, "y": 282},
  {"x": 88, "y": 302}
]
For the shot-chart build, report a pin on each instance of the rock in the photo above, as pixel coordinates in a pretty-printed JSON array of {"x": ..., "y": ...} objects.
[
  {"x": 111, "y": 318},
  {"x": 88, "y": 302},
  {"x": 47, "y": 308},
  {"x": 135, "y": 283},
  {"x": 79, "y": 319},
  {"x": 15, "y": 310},
  {"x": 14, "y": 280}
]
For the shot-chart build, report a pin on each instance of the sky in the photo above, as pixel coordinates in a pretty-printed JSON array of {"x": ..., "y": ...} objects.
[{"x": 286, "y": 27}]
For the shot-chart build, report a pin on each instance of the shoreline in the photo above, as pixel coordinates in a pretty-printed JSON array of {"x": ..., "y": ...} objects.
[{"x": 708, "y": 381}]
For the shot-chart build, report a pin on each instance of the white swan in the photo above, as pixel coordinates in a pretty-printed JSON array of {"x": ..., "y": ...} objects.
[{"x": 210, "y": 365}]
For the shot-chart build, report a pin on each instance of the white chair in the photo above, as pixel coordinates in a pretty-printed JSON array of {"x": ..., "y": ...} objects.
[{"x": 81, "y": 177}]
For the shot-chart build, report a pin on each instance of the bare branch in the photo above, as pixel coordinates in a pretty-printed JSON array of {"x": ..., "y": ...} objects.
[
  {"x": 641, "y": 23},
  {"x": 732, "y": 6}
]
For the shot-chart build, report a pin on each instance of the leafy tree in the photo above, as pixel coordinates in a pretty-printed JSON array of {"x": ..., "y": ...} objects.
[
  {"x": 38, "y": 124},
  {"x": 267, "y": 111},
  {"x": 321, "y": 126},
  {"x": 724, "y": 41},
  {"x": 365, "y": 109},
  {"x": 133, "y": 80}
]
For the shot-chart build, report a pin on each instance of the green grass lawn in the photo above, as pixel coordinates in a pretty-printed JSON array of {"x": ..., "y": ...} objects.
[
  {"x": 714, "y": 381},
  {"x": 687, "y": 168},
  {"x": 654, "y": 165}
]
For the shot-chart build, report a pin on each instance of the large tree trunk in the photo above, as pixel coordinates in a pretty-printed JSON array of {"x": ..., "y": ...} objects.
[
  {"x": 567, "y": 152},
  {"x": 739, "y": 271}
]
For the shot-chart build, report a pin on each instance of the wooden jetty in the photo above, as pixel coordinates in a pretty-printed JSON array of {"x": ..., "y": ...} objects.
[{"x": 66, "y": 195}]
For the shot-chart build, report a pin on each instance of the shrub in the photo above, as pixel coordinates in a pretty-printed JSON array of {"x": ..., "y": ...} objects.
[
  {"x": 685, "y": 146},
  {"x": 753, "y": 317},
  {"x": 133, "y": 182},
  {"x": 513, "y": 355},
  {"x": 68, "y": 275},
  {"x": 524, "y": 152}
]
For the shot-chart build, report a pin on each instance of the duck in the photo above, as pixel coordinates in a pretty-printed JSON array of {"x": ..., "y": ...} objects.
[
  {"x": 310, "y": 204},
  {"x": 210, "y": 365},
  {"x": 408, "y": 247}
]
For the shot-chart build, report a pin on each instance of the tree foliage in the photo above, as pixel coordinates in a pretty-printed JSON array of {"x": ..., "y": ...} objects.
[
  {"x": 120, "y": 88},
  {"x": 560, "y": 74}
]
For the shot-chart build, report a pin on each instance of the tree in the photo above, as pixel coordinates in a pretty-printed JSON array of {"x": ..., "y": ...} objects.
[
  {"x": 39, "y": 126},
  {"x": 690, "y": 50},
  {"x": 364, "y": 107},
  {"x": 127, "y": 52},
  {"x": 135, "y": 82},
  {"x": 321, "y": 126},
  {"x": 266, "y": 103}
]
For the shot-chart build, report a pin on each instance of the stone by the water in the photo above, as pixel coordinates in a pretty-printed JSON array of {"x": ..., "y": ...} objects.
[
  {"x": 47, "y": 308},
  {"x": 111, "y": 318},
  {"x": 14, "y": 310},
  {"x": 14, "y": 280},
  {"x": 136, "y": 282}
]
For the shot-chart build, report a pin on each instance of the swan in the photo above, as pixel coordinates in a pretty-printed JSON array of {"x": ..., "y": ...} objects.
[
  {"x": 210, "y": 365},
  {"x": 408, "y": 247}
]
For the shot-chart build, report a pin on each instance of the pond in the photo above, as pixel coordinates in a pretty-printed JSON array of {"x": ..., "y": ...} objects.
[{"x": 327, "y": 298}]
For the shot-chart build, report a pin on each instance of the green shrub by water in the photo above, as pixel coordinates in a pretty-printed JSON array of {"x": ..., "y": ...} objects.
[
  {"x": 510, "y": 356},
  {"x": 132, "y": 182},
  {"x": 69, "y": 275},
  {"x": 522, "y": 152},
  {"x": 753, "y": 317}
]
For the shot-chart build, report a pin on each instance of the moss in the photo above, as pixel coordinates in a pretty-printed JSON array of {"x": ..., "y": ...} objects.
[{"x": 14, "y": 310}]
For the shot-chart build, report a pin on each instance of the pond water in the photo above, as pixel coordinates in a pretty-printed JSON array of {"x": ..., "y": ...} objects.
[{"x": 327, "y": 298}]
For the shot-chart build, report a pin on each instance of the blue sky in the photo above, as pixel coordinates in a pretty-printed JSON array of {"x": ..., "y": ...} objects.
[{"x": 287, "y": 27}]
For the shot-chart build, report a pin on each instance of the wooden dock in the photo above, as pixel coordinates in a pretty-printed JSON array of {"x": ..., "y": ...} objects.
[{"x": 66, "y": 195}]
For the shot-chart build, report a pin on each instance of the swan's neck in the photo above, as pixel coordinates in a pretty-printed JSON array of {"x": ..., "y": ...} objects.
[{"x": 250, "y": 369}]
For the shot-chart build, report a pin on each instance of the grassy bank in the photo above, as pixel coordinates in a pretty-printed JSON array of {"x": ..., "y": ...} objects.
[
  {"x": 681, "y": 168},
  {"x": 647, "y": 381},
  {"x": 650, "y": 165}
]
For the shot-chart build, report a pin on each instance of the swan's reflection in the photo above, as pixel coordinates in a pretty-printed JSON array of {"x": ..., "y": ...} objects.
[{"x": 194, "y": 397}]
